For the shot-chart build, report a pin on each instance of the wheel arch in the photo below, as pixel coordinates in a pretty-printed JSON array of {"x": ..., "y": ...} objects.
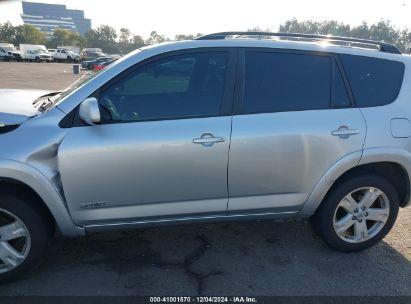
[
  {"x": 393, "y": 164},
  {"x": 18, "y": 173}
]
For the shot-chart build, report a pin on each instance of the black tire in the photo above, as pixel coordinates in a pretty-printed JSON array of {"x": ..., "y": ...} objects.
[
  {"x": 37, "y": 59},
  {"x": 322, "y": 220},
  {"x": 69, "y": 60},
  {"x": 39, "y": 223}
]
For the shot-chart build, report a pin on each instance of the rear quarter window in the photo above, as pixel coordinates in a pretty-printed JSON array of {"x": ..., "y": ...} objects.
[{"x": 374, "y": 82}]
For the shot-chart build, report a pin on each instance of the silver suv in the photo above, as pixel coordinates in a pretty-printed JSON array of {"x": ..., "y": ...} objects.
[{"x": 230, "y": 126}]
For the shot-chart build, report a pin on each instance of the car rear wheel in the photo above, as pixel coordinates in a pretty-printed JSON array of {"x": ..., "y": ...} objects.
[
  {"x": 357, "y": 213},
  {"x": 25, "y": 232}
]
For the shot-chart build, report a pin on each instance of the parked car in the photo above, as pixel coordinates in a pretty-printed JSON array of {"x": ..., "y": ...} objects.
[
  {"x": 88, "y": 54},
  {"x": 63, "y": 55},
  {"x": 89, "y": 64},
  {"x": 11, "y": 49},
  {"x": 102, "y": 65},
  {"x": 72, "y": 48},
  {"x": 37, "y": 56},
  {"x": 213, "y": 129},
  {"x": 4, "y": 55}
]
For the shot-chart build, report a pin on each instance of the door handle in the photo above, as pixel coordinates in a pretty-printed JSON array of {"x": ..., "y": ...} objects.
[
  {"x": 344, "y": 132},
  {"x": 208, "y": 139}
]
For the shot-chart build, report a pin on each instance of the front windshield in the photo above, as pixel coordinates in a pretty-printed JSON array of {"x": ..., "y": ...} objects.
[
  {"x": 81, "y": 81},
  {"x": 86, "y": 78}
]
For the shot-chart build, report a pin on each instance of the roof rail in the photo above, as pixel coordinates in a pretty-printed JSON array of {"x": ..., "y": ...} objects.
[{"x": 383, "y": 47}]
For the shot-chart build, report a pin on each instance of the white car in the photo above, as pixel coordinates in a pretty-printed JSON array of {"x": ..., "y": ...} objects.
[
  {"x": 38, "y": 56},
  {"x": 65, "y": 55}
]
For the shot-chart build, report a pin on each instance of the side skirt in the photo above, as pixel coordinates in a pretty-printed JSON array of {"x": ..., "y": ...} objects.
[{"x": 190, "y": 220}]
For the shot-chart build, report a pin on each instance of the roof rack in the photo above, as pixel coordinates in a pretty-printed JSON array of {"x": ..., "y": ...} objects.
[{"x": 383, "y": 47}]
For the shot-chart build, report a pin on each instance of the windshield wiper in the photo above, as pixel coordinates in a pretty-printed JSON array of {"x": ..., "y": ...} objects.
[
  {"x": 38, "y": 99},
  {"x": 45, "y": 105}
]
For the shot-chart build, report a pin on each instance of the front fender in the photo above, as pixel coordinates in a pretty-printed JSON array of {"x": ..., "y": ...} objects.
[{"x": 31, "y": 177}]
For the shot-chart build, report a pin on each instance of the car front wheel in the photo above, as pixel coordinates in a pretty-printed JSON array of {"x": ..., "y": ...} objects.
[
  {"x": 25, "y": 231},
  {"x": 357, "y": 213}
]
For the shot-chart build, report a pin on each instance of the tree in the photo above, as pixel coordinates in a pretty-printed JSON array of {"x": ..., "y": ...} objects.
[
  {"x": 155, "y": 38},
  {"x": 315, "y": 27},
  {"x": 65, "y": 37},
  {"x": 7, "y": 32},
  {"x": 106, "y": 33},
  {"x": 103, "y": 37},
  {"x": 125, "y": 44},
  {"x": 384, "y": 31},
  {"x": 381, "y": 31},
  {"x": 28, "y": 34},
  {"x": 124, "y": 35},
  {"x": 362, "y": 31},
  {"x": 137, "y": 40},
  {"x": 404, "y": 41}
]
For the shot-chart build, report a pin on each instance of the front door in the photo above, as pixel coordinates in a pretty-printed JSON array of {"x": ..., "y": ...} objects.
[{"x": 161, "y": 151}]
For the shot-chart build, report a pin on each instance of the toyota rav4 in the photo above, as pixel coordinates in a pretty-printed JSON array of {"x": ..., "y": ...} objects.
[{"x": 229, "y": 126}]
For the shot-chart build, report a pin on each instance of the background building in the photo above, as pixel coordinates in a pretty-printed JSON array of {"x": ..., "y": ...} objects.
[{"x": 47, "y": 17}]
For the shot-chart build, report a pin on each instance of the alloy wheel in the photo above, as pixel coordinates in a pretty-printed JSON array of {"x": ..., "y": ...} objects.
[
  {"x": 361, "y": 214},
  {"x": 15, "y": 241}
]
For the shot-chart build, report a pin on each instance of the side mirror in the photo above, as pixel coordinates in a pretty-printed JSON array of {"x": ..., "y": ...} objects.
[{"x": 89, "y": 111}]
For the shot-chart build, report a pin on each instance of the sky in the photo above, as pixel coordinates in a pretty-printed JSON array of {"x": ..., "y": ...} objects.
[{"x": 171, "y": 17}]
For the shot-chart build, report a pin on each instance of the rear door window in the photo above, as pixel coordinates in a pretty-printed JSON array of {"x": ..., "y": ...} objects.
[
  {"x": 278, "y": 82},
  {"x": 374, "y": 82}
]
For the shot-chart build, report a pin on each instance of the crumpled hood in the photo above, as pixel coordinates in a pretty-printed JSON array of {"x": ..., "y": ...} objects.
[{"x": 17, "y": 105}]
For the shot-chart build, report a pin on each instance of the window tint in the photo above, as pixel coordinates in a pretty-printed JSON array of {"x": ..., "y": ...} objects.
[
  {"x": 374, "y": 82},
  {"x": 276, "y": 82},
  {"x": 340, "y": 96},
  {"x": 181, "y": 86}
]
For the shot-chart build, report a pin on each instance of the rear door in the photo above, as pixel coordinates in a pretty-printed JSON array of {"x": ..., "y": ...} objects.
[{"x": 294, "y": 120}]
